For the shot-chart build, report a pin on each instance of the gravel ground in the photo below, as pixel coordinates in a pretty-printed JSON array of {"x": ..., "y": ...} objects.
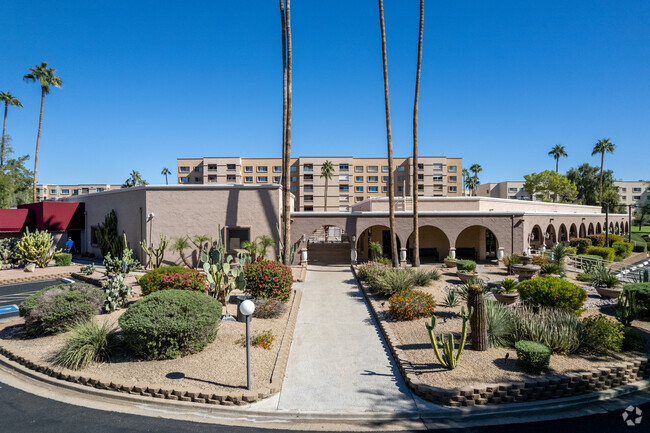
[
  {"x": 481, "y": 367},
  {"x": 221, "y": 366}
]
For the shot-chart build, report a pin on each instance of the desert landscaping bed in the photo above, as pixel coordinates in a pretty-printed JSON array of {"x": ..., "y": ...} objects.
[
  {"x": 216, "y": 375},
  {"x": 493, "y": 376}
]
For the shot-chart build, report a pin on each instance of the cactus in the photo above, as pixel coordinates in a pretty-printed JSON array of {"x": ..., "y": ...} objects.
[
  {"x": 447, "y": 358},
  {"x": 627, "y": 308},
  {"x": 107, "y": 238},
  {"x": 292, "y": 250},
  {"x": 478, "y": 323},
  {"x": 156, "y": 255},
  {"x": 115, "y": 265},
  {"x": 36, "y": 248},
  {"x": 116, "y": 292}
]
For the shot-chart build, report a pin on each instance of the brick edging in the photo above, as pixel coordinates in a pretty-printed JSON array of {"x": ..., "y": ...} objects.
[
  {"x": 39, "y": 277},
  {"x": 219, "y": 398},
  {"x": 542, "y": 388}
]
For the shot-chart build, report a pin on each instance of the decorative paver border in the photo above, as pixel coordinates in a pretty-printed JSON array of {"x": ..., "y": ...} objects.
[
  {"x": 219, "y": 398},
  {"x": 542, "y": 388},
  {"x": 36, "y": 277}
]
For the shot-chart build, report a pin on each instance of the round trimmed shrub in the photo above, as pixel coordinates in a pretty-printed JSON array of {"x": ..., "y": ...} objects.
[
  {"x": 552, "y": 292},
  {"x": 532, "y": 357},
  {"x": 411, "y": 305},
  {"x": 57, "y": 308},
  {"x": 601, "y": 335},
  {"x": 63, "y": 259},
  {"x": 605, "y": 253},
  {"x": 172, "y": 278},
  {"x": 268, "y": 280},
  {"x": 171, "y": 323}
]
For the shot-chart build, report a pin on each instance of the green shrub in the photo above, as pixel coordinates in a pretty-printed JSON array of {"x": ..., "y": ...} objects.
[
  {"x": 411, "y": 305},
  {"x": 170, "y": 323},
  {"x": 466, "y": 265},
  {"x": 532, "y": 357},
  {"x": 599, "y": 239},
  {"x": 384, "y": 261},
  {"x": 508, "y": 285},
  {"x": 268, "y": 280},
  {"x": 623, "y": 249},
  {"x": 63, "y": 259},
  {"x": 512, "y": 260},
  {"x": 88, "y": 269},
  {"x": 124, "y": 265},
  {"x": 451, "y": 299},
  {"x": 633, "y": 339},
  {"x": 268, "y": 308},
  {"x": 553, "y": 292},
  {"x": 557, "y": 329},
  {"x": 549, "y": 268},
  {"x": 172, "y": 278},
  {"x": 421, "y": 278},
  {"x": 36, "y": 248},
  {"x": 584, "y": 277},
  {"x": 601, "y": 335},
  {"x": 602, "y": 252},
  {"x": 499, "y": 323},
  {"x": 538, "y": 260},
  {"x": 571, "y": 250},
  {"x": 9, "y": 251},
  {"x": 88, "y": 343},
  {"x": 57, "y": 308},
  {"x": 642, "y": 296},
  {"x": 604, "y": 278},
  {"x": 580, "y": 244},
  {"x": 393, "y": 281},
  {"x": 371, "y": 269},
  {"x": 434, "y": 274},
  {"x": 640, "y": 248}
]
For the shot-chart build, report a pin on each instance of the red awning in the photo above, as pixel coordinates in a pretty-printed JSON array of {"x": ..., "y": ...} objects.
[
  {"x": 12, "y": 220},
  {"x": 55, "y": 216}
]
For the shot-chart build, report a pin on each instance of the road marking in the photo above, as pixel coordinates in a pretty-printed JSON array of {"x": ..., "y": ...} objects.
[{"x": 8, "y": 309}]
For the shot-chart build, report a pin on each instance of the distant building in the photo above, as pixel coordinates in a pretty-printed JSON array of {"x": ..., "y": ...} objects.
[
  {"x": 632, "y": 192},
  {"x": 513, "y": 190},
  {"x": 51, "y": 191}
]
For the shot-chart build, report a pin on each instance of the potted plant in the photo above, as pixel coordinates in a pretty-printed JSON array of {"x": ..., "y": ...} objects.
[
  {"x": 606, "y": 284},
  {"x": 507, "y": 292},
  {"x": 466, "y": 270},
  {"x": 450, "y": 262}
]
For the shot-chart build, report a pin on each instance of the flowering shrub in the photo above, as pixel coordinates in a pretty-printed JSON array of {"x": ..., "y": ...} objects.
[
  {"x": 172, "y": 277},
  {"x": 538, "y": 260},
  {"x": 268, "y": 280},
  {"x": 581, "y": 244},
  {"x": 599, "y": 239},
  {"x": 553, "y": 292},
  {"x": 263, "y": 340},
  {"x": 411, "y": 305}
]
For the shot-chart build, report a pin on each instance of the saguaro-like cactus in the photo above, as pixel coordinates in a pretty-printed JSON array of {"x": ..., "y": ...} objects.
[
  {"x": 156, "y": 255},
  {"x": 447, "y": 358},
  {"x": 478, "y": 322}
]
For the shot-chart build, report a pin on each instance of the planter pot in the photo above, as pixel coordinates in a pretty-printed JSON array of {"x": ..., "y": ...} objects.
[
  {"x": 30, "y": 267},
  {"x": 525, "y": 272},
  {"x": 609, "y": 293},
  {"x": 506, "y": 298},
  {"x": 465, "y": 277},
  {"x": 450, "y": 263},
  {"x": 526, "y": 260}
]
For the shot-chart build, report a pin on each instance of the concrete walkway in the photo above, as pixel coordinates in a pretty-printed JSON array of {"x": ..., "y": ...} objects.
[{"x": 339, "y": 362}]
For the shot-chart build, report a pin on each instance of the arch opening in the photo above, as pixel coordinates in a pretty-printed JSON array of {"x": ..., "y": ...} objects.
[
  {"x": 477, "y": 243},
  {"x": 434, "y": 244}
]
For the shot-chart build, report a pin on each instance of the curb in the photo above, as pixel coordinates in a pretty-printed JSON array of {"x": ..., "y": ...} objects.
[{"x": 31, "y": 278}]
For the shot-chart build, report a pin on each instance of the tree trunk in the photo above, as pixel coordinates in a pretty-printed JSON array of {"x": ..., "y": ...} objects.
[
  {"x": 389, "y": 140},
  {"x": 416, "y": 224},
  {"x": 326, "y": 184},
  {"x": 4, "y": 130},
  {"x": 478, "y": 321},
  {"x": 557, "y": 164},
  {"x": 38, "y": 140},
  {"x": 602, "y": 160},
  {"x": 287, "y": 204}
]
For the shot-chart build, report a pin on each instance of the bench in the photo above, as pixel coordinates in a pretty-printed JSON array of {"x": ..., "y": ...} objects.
[
  {"x": 466, "y": 254},
  {"x": 428, "y": 254}
]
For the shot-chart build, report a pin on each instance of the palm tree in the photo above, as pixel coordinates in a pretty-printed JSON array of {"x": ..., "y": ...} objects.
[
  {"x": 326, "y": 171},
  {"x": 389, "y": 141},
  {"x": 558, "y": 151},
  {"x": 416, "y": 228},
  {"x": 476, "y": 169},
  {"x": 165, "y": 171},
  {"x": 8, "y": 99},
  {"x": 46, "y": 78},
  {"x": 265, "y": 242},
  {"x": 286, "y": 128},
  {"x": 180, "y": 244},
  {"x": 601, "y": 147},
  {"x": 134, "y": 179},
  {"x": 202, "y": 242},
  {"x": 466, "y": 177}
]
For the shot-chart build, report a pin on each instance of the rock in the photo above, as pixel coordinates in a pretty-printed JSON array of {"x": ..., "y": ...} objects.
[{"x": 30, "y": 267}]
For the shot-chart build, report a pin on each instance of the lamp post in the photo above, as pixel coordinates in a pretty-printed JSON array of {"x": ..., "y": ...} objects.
[
  {"x": 629, "y": 221},
  {"x": 606, "y": 204},
  {"x": 247, "y": 308}
]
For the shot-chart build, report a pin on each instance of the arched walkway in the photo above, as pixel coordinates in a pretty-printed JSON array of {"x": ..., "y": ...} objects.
[
  {"x": 599, "y": 228},
  {"x": 616, "y": 228},
  {"x": 328, "y": 245},
  {"x": 434, "y": 244},
  {"x": 590, "y": 229},
  {"x": 379, "y": 234},
  {"x": 535, "y": 237},
  {"x": 564, "y": 236},
  {"x": 573, "y": 232},
  {"x": 476, "y": 243},
  {"x": 549, "y": 236},
  {"x": 583, "y": 231}
]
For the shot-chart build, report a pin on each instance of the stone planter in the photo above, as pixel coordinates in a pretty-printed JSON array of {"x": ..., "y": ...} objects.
[
  {"x": 526, "y": 260},
  {"x": 608, "y": 292},
  {"x": 465, "y": 277},
  {"x": 525, "y": 272},
  {"x": 30, "y": 267},
  {"x": 506, "y": 298},
  {"x": 450, "y": 263}
]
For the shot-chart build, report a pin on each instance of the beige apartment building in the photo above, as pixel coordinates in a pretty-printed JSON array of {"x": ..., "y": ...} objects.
[
  {"x": 51, "y": 192},
  {"x": 353, "y": 179},
  {"x": 633, "y": 192}
]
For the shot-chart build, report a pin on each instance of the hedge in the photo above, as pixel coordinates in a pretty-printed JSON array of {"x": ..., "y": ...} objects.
[
  {"x": 603, "y": 252},
  {"x": 581, "y": 244}
]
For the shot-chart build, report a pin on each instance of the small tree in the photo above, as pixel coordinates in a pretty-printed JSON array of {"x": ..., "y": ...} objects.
[{"x": 326, "y": 171}]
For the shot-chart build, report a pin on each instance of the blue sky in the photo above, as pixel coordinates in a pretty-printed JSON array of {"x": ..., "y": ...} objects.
[{"x": 502, "y": 82}]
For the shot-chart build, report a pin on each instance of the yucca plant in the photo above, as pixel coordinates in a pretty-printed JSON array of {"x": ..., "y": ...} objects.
[
  {"x": 464, "y": 288},
  {"x": 604, "y": 278},
  {"x": 89, "y": 342},
  {"x": 421, "y": 278},
  {"x": 393, "y": 281},
  {"x": 434, "y": 274},
  {"x": 556, "y": 328},
  {"x": 451, "y": 299},
  {"x": 508, "y": 285},
  {"x": 499, "y": 324}
]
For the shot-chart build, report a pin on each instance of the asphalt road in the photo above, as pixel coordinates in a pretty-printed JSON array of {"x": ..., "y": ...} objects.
[
  {"x": 23, "y": 412},
  {"x": 14, "y": 294}
]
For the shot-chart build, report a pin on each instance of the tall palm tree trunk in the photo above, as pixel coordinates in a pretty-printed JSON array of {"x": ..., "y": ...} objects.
[
  {"x": 416, "y": 224},
  {"x": 286, "y": 179},
  {"x": 38, "y": 141},
  {"x": 326, "y": 186},
  {"x": 602, "y": 160},
  {"x": 4, "y": 130},
  {"x": 287, "y": 138},
  {"x": 557, "y": 164},
  {"x": 389, "y": 141}
]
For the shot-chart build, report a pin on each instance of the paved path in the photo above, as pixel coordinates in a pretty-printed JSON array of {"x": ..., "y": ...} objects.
[{"x": 338, "y": 360}]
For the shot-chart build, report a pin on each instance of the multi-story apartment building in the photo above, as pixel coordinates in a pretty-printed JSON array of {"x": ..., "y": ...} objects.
[
  {"x": 353, "y": 179},
  {"x": 513, "y": 190},
  {"x": 50, "y": 192},
  {"x": 633, "y": 192}
]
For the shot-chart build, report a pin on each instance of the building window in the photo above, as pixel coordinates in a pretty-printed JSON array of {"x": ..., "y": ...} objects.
[
  {"x": 65, "y": 191},
  {"x": 358, "y": 178},
  {"x": 53, "y": 191},
  {"x": 184, "y": 169},
  {"x": 636, "y": 189},
  {"x": 421, "y": 177},
  {"x": 452, "y": 178},
  {"x": 373, "y": 178},
  {"x": 262, "y": 179},
  {"x": 513, "y": 197},
  {"x": 636, "y": 197},
  {"x": 309, "y": 188},
  {"x": 277, "y": 179},
  {"x": 248, "y": 169},
  {"x": 212, "y": 167},
  {"x": 277, "y": 168},
  {"x": 400, "y": 178},
  {"x": 420, "y": 187},
  {"x": 248, "y": 179},
  {"x": 373, "y": 169},
  {"x": 231, "y": 178},
  {"x": 358, "y": 189},
  {"x": 185, "y": 179},
  {"x": 358, "y": 169},
  {"x": 452, "y": 189},
  {"x": 401, "y": 168},
  {"x": 309, "y": 177},
  {"x": 400, "y": 189},
  {"x": 344, "y": 167},
  {"x": 358, "y": 199},
  {"x": 437, "y": 178},
  {"x": 231, "y": 166},
  {"x": 437, "y": 167},
  {"x": 384, "y": 168},
  {"x": 384, "y": 178},
  {"x": 420, "y": 167},
  {"x": 344, "y": 188},
  {"x": 309, "y": 198},
  {"x": 452, "y": 168},
  {"x": 623, "y": 197},
  {"x": 344, "y": 208},
  {"x": 236, "y": 236},
  {"x": 292, "y": 189},
  {"x": 213, "y": 178},
  {"x": 294, "y": 168},
  {"x": 373, "y": 189},
  {"x": 197, "y": 179},
  {"x": 309, "y": 167},
  {"x": 384, "y": 189},
  {"x": 100, "y": 189},
  {"x": 262, "y": 169},
  {"x": 344, "y": 177},
  {"x": 294, "y": 178},
  {"x": 344, "y": 198},
  {"x": 198, "y": 169},
  {"x": 309, "y": 208},
  {"x": 512, "y": 189}
]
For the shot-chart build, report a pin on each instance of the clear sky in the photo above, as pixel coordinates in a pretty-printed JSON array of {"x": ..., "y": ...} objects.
[{"x": 502, "y": 82}]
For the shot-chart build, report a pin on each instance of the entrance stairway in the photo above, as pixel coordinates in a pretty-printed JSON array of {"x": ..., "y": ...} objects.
[{"x": 329, "y": 253}]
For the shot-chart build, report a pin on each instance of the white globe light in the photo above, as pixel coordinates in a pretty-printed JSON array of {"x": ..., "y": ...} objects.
[{"x": 247, "y": 307}]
